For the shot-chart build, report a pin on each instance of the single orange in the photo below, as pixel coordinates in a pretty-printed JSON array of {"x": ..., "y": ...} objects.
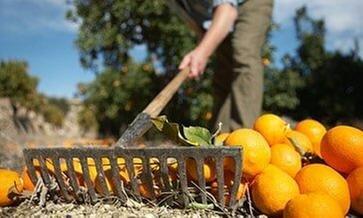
[
  {"x": 219, "y": 139},
  {"x": 209, "y": 170},
  {"x": 286, "y": 158},
  {"x": 256, "y": 153},
  {"x": 228, "y": 183},
  {"x": 342, "y": 148},
  {"x": 355, "y": 182},
  {"x": 27, "y": 183},
  {"x": 314, "y": 130},
  {"x": 111, "y": 187},
  {"x": 173, "y": 169},
  {"x": 9, "y": 180},
  {"x": 299, "y": 141},
  {"x": 272, "y": 127},
  {"x": 313, "y": 205},
  {"x": 322, "y": 178},
  {"x": 272, "y": 189}
]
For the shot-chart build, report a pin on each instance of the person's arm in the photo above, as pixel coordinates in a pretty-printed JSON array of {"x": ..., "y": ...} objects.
[{"x": 223, "y": 19}]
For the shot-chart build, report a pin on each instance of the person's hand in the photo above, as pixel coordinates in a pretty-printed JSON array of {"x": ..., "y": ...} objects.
[{"x": 196, "y": 60}]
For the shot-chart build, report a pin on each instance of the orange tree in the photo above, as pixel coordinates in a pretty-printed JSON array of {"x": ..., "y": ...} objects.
[
  {"x": 108, "y": 31},
  {"x": 315, "y": 82},
  {"x": 310, "y": 81}
]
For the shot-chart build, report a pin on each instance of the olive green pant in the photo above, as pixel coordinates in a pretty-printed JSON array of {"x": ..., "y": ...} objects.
[{"x": 238, "y": 78}]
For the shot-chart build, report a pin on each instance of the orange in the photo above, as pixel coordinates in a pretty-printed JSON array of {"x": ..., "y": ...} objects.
[
  {"x": 322, "y": 178},
  {"x": 256, "y": 153},
  {"x": 272, "y": 189},
  {"x": 313, "y": 205},
  {"x": 342, "y": 148},
  {"x": 209, "y": 170},
  {"x": 125, "y": 178},
  {"x": 228, "y": 182},
  {"x": 272, "y": 127},
  {"x": 9, "y": 180},
  {"x": 109, "y": 182},
  {"x": 173, "y": 169},
  {"x": 314, "y": 131},
  {"x": 241, "y": 190},
  {"x": 144, "y": 191},
  {"x": 27, "y": 183},
  {"x": 355, "y": 183},
  {"x": 219, "y": 139},
  {"x": 286, "y": 158},
  {"x": 93, "y": 170},
  {"x": 299, "y": 141}
]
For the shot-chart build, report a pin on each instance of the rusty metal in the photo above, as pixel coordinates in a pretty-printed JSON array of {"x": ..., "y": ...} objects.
[{"x": 70, "y": 185}]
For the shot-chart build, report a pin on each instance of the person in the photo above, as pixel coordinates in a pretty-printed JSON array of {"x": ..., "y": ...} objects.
[{"x": 235, "y": 31}]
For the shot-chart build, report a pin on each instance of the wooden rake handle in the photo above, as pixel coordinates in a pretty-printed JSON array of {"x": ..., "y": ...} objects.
[{"x": 154, "y": 108}]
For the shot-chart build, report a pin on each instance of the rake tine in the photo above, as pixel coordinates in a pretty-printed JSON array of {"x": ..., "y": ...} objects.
[
  {"x": 147, "y": 176},
  {"x": 164, "y": 173},
  {"x": 237, "y": 179},
  {"x": 183, "y": 179},
  {"x": 73, "y": 178},
  {"x": 87, "y": 179},
  {"x": 220, "y": 179},
  {"x": 31, "y": 169},
  {"x": 131, "y": 172},
  {"x": 58, "y": 175},
  {"x": 201, "y": 178},
  {"x": 101, "y": 176},
  {"x": 44, "y": 172},
  {"x": 116, "y": 178}
]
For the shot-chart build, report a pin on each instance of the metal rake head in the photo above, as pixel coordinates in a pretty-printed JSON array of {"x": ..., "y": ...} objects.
[{"x": 120, "y": 171}]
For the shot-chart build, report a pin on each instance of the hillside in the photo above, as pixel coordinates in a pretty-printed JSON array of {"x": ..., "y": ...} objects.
[{"x": 21, "y": 127}]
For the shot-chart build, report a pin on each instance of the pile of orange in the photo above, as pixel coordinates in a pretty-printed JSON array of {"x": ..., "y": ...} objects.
[{"x": 281, "y": 185}]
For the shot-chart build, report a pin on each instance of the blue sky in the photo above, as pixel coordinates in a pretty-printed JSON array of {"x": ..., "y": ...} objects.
[{"x": 36, "y": 31}]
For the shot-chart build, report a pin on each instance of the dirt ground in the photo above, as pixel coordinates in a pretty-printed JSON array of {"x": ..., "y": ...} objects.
[{"x": 102, "y": 210}]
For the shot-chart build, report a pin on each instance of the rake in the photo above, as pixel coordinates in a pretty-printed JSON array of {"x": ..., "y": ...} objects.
[{"x": 74, "y": 170}]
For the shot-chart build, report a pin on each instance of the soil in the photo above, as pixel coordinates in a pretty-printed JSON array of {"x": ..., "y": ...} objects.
[{"x": 27, "y": 209}]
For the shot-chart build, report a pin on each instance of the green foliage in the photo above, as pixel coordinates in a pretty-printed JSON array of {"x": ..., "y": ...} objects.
[
  {"x": 122, "y": 88},
  {"x": 52, "y": 114},
  {"x": 17, "y": 84},
  {"x": 60, "y": 103},
  {"x": 117, "y": 96},
  {"x": 109, "y": 29},
  {"x": 281, "y": 89},
  {"x": 315, "y": 82},
  {"x": 21, "y": 88},
  {"x": 182, "y": 135},
  {"x": 87, "y": 119}
]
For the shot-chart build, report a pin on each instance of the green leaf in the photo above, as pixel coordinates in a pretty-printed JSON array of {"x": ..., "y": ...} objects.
[
  {"x": 171, "y": 130},
  {"x": 189, "y": 136},
  {"x": 198, "y": 136},
  {"x": 200, "y": 206}
]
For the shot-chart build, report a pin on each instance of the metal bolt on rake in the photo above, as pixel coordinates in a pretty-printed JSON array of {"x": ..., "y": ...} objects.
[{"x": 70, "y": 186}]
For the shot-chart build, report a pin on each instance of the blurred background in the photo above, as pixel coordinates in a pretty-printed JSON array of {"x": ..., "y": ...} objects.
[{"x": 76, "y": 71}]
